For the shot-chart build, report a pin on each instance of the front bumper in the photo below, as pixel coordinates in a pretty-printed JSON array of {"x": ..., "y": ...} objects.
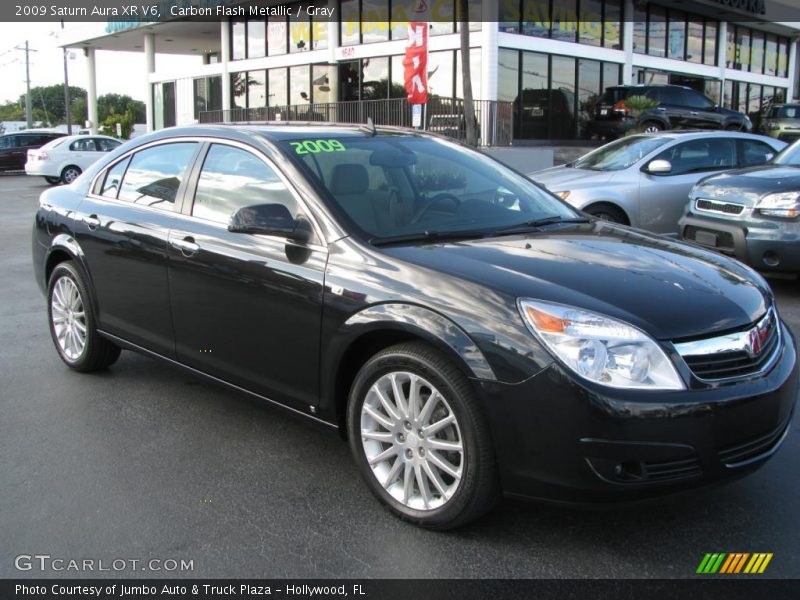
[
  {"x": 561, "y": 440},
  {"x": 764, "y": 245}
]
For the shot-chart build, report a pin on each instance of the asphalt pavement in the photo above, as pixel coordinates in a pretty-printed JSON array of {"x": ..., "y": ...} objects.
[{"x": 144, "y": 462}]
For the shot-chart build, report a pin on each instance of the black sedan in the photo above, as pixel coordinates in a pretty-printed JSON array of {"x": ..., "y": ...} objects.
[
  {"x": 467, "y": 331},
  {"x": 751, "y": 213}
]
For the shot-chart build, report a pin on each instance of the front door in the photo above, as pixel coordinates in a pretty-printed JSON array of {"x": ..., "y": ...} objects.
[
  {"x": 123, "y": 233},
  {"x": 247, "y": 308}
]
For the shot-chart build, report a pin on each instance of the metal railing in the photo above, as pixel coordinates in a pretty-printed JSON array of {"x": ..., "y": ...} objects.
[{"x": 441, "y": 115}]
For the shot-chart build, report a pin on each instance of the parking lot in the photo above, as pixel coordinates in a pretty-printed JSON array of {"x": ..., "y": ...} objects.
[{"x": 146, "y": 462}]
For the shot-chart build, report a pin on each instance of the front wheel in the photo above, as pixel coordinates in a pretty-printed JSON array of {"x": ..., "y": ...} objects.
[
  {"x": 652, "y": 127},
  {"x": 72, "y": 322},
  {"x": 420, "y": 439},
  {"x": 70, "y": 174}
]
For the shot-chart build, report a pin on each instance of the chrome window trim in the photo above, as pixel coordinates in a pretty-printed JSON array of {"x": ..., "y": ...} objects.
[{"x": 734, "y": 342}]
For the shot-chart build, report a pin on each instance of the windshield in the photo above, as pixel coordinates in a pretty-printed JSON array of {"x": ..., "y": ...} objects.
[
  {"x": 789, "y": 156},
  {"x": 620, "y": 154},
  {"x": 401, "y": 185}
]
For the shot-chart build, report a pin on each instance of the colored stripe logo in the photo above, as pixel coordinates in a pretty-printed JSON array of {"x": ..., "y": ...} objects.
[{"x": 734, "y": 563}]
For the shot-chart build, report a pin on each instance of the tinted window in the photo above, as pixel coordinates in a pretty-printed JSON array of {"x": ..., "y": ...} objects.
[
  {"x": 754, "y": 152},
  {"x": 698, "y": 101},
  {"x": 110, "y": 187},
  {"x": 701, "y": 155},
  {"x": 155, "y": 174},
  {"x": 105, "y": 145},
  {"x": 232, "y": 178},
  {"x": 7, "y": 141},
  {"x": 83, "y": 145},
  {"x": 669, "y": 95}
]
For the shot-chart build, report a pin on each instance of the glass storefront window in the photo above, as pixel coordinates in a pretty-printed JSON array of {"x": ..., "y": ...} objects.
[
  {"x": 238, "y": 40},
  {"x": 321, "y": 91},
  {"x": 742, "y": 60},
  {"x": 443, "y": 16},
  {"x": 239, "y": 90},
  {"x": 299, "y": 88},
  {"x": 256, "y": 38},
  {"x": 611, "y": 75},
  {"x": 276, "y": 36},
  {"x": 783, "y": 57},
  {"x": 676, "y": 37},
  {"x": 589, "y": 90},
  {"x": 507, "y": 75},
  {"x": 694, "y": 41},
  {"x": 590, "y": 22},
  {"x": 710, "y": 47},
  {"x": 375, "y": 78},
  {"x": 398, "y": 89},
  {"x": 565, "y": 27},
  {"x": 256, "y": 89},
  {"x": 771, "y": 55},
  {"x": 612, "y": 24},
  {"x": 374, "y": 21},
  {"x": 535, "y": 18},
  {"x": 657, "y": 31},
  {"x": 474, "y": 15},
  {"x": 299, "y": 32},
  {"x": 350, "y": 32},
  {"x": 562, "y": 98},
  {"x": 278, "y": 83},
  {"x": 474, "y": 71},
  {"x": 639, "y": 29},
  {"x": 534, "y": 98},
  {"x": 319, "y": 34},
  {"x": 440, "y": 74},
  {"x": 756, "y": 52}
]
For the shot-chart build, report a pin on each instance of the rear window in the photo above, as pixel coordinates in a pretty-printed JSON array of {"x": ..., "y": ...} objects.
[{"x": 54, "y": 143}]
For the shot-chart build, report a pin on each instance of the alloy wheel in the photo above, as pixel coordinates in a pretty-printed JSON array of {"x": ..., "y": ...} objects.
[
  {"x": 69, "y": 318},
  {"x": 412, "y": 440},
  {"x": 70, "y": 175}
]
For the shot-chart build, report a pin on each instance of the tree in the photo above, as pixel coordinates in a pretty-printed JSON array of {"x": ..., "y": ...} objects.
[
  {"x": 47, "y": 102},
  {"x": 126, "y": 121},
  {"x": 469, "y": 107},
  {"x": 119, "y": 104},
  {"x": 636, "y": 105}
]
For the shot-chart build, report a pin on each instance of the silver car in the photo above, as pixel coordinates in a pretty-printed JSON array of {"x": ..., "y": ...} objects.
[{"x": 644, "y": 180}]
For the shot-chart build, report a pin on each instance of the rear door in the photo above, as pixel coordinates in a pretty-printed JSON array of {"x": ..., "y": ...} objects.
[
  {"x": 246, "y": 308},
  {"x": 123, "y": 229},
  {"x": 703, "y": 112},
  {"x": 663, "y": 197},
  {"x": 82, "y": 153}
]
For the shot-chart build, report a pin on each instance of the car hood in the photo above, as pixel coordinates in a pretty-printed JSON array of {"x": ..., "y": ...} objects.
[
  {"x": 669, "y": 289},
  {"x": 753, "y": 180},
  {"x": 562, "y": 178}
]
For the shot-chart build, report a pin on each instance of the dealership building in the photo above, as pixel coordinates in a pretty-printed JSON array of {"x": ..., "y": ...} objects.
[{"x": 547, "y": 61}]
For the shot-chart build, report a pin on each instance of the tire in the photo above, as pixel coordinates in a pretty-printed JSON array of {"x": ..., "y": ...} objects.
[
  {"x": 607, "y": 212},
  {"x": 652, "y": 127},
  {"x": 70, "y": 173},
  {"x": 468, "y": 483},
  {"x": 52, "y": 180},
  {"x": 69, "y": 308}
]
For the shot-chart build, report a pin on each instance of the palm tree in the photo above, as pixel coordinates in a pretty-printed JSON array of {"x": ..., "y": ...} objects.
[{"x": 469, "y": 108}]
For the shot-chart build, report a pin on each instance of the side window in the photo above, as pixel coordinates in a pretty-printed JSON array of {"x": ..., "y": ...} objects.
[
  {"x": 698, "y": 101},
  {"x": 672, "y": 96},
  {"x": 110, "y": 186},
  {"x": 232, "y": 178},
  {"x": 6, "y": 141},
  {"x": 82, "y": 145},
  {"x": 104, "y": 145},
  {"x": 701, "y": 155},
  {"x": 155, "y": 174},
  {"x": 754, "y": 153},
  {"x": 22, "y": 141}
]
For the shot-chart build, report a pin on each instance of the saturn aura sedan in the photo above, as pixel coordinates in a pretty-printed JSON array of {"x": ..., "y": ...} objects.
[
  {"x": 63, "y": 159},
  {"x": 466, "y": 331},
  {"x": 644, "y": 180}
]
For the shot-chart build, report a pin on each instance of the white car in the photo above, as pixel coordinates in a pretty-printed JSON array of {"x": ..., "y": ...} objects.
[{"x": 63, "y": 159}]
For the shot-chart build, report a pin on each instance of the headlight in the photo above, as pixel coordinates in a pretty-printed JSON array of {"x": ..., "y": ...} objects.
[
  {"x": 563, "y": 195},
  {"x": 599, "y": 348},
  {"x": 785, "y": 205}
]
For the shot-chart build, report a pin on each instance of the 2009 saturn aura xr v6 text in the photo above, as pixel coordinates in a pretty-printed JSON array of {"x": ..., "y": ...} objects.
[{"x": 468, "y": 332}]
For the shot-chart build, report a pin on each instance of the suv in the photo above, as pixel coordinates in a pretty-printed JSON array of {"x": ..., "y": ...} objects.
[
  {"x": 14, "y": 147},
  {"x": 679, "y": 108},
  {"x": 782, "y": 121}
]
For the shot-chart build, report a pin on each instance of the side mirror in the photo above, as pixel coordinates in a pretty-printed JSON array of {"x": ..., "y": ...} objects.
[
  {"x": 270, "y": 219},
  {"x": 659, "y": 167}
]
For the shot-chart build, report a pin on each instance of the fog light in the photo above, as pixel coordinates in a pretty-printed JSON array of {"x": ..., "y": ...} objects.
[{"x": 771, "y": 259}]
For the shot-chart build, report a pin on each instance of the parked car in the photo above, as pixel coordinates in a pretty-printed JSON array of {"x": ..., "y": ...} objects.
[
  {"x": 643, "y": 180},
  {"x": 63, "y": 159},
  {"x": 752, "y": 214},
  {"x": 782, "y": 121},
  {"x": 464, "y": 329},
  {"x": 679, "y": 107},
  {"x": 14, "y": 147}
]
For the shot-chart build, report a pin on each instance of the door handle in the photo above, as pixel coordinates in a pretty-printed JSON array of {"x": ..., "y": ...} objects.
[
  {"x": 187, "y": 245},
  {"x": 92, "y": 222},
  {"x": 693, "y": 112}
]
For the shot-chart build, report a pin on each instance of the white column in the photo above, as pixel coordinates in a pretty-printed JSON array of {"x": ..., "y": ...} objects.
[
  {"x": 225, "y": 59},
  {"x": 149, "y": 69},
  {"x": 627, "y": 43},
  {"x": 334, "y": 42},
  {"x": 91, "y": 89},
  {"x": 722, "y": 58},
  {"x": 490, "y": 57},
  {"x": 792, "y": 70}
]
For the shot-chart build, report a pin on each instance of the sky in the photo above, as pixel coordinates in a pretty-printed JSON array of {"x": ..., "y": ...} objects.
[{"x": 114, "y": 69}]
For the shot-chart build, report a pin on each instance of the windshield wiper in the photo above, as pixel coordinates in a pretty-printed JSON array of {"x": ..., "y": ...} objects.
[
  {"x": 426, "y": 236},
  {"x": 537, "y": 224}
]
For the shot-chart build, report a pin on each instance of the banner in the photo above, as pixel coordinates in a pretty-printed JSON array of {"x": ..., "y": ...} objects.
[{"x": 415, "y": 63}]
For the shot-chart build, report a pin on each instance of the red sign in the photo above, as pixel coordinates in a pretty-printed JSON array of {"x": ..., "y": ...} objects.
[{"x": 415, "y": 63}]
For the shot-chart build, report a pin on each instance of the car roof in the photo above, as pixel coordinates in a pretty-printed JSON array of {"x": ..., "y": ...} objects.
[
  {"x": 689, "y": 134},
  {"x": 650, "y": 85}
]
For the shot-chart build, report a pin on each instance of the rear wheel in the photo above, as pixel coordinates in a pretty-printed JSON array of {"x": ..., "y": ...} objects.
[
  {"x": 52, "y": 180},
  {"x": 70, "y": 174},
  {"x": 652, "y": 127},
  {"x": 420, "y": 439},
  {"x": 72, "y": 322}
]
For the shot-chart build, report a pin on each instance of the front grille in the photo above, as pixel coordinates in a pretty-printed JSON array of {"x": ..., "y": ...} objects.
[
  {"x": 752, "y": 449},
  {"x": 734, "y": 355},
  {"x": 673, "y": 469},
  {"x": 728, "y": 208}
]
